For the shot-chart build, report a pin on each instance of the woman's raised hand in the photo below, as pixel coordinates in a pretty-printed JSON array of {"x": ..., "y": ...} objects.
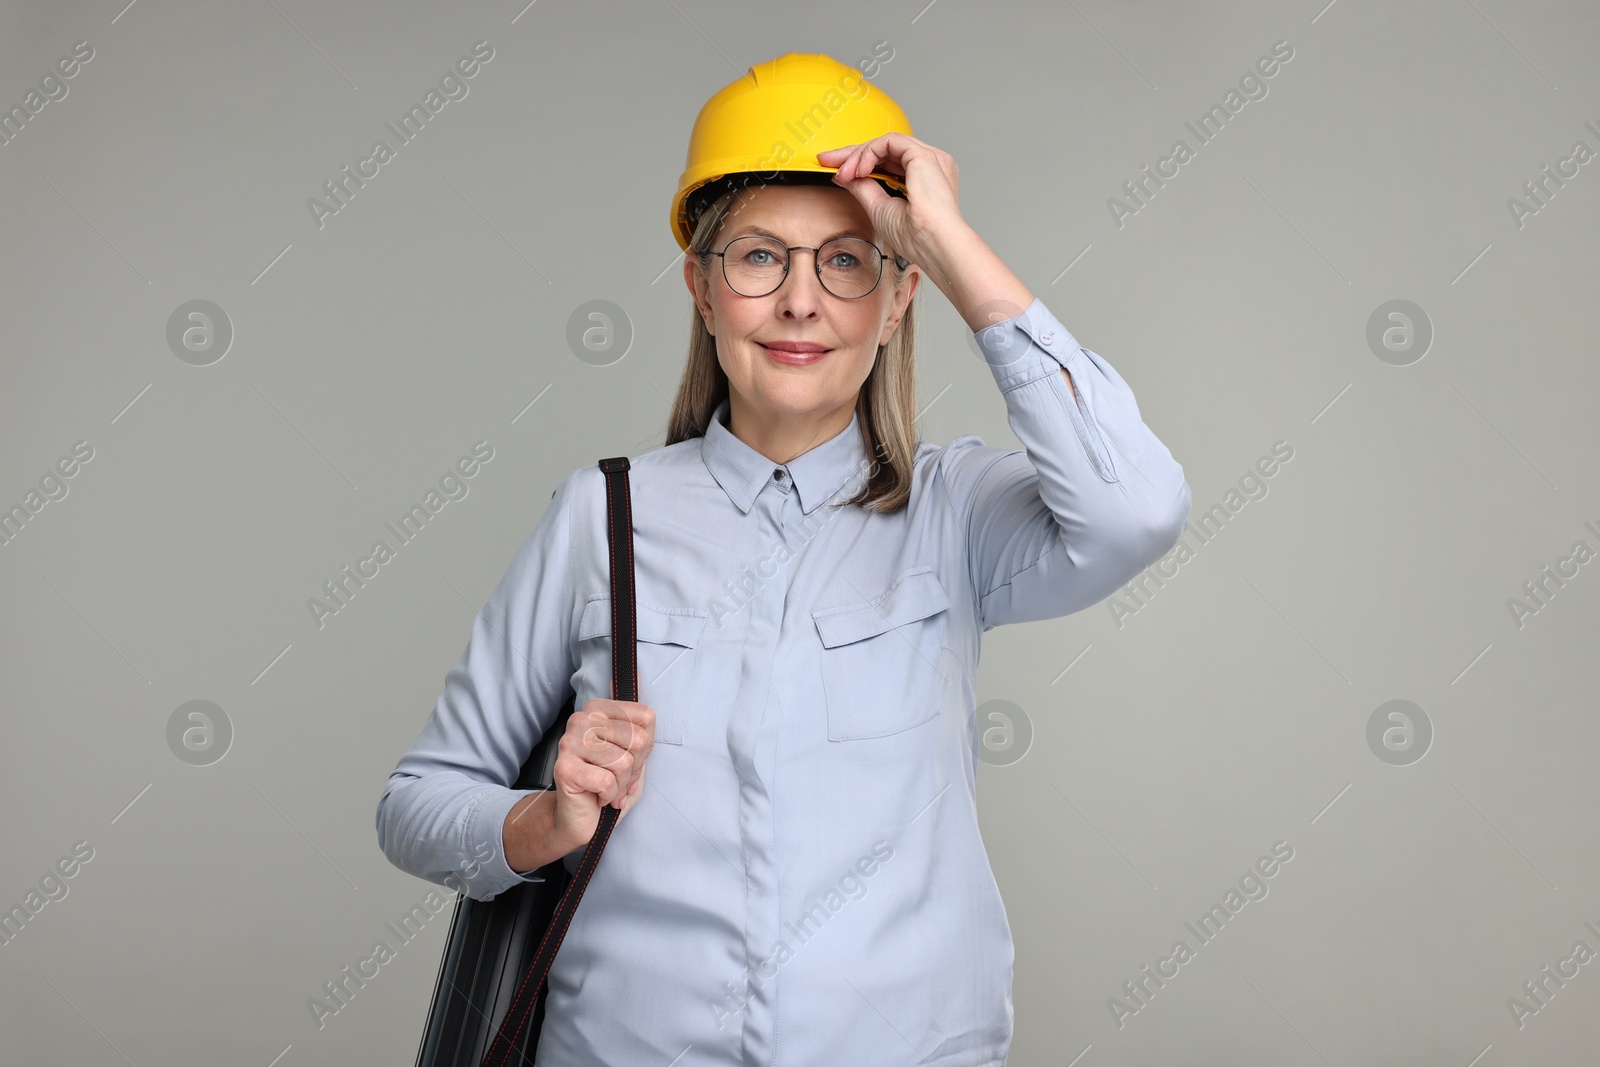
[
  {"x": 929, "y": 209},
  {"x": 926, "y": 227}
]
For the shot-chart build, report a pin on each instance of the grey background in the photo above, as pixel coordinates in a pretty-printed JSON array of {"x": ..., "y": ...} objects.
[{"x": 1229, "y": 713}]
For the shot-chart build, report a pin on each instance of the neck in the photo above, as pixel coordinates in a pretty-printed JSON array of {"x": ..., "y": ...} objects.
[{"x": 783, "y": 435}]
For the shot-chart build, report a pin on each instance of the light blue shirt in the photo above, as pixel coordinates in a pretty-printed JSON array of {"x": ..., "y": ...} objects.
[{"x": 802, "y": 881}]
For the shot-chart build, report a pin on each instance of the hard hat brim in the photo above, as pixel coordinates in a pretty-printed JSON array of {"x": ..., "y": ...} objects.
[{"x": 696, "y": 198}]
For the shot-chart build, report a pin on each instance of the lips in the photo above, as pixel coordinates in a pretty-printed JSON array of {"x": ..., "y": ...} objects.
[
  {"x": 794, "y": 353},
  {"x": 800, "y": 348}
]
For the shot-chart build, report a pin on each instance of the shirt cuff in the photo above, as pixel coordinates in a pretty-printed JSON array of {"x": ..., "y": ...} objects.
[
  {"x": 1028, "y": 347},
  {"x": 487, "y": 823}
]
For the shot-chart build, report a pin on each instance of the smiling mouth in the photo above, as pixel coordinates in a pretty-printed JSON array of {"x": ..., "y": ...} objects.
[{"x": 784, "y": 355}]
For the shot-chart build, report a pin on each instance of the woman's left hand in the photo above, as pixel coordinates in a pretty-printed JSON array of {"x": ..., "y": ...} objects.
[{"x": 908, "y": 225}]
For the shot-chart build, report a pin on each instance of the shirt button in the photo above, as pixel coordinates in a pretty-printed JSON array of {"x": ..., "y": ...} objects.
[
  {"x": 1046, "y": 337},
  {"x": 777, "y": 473}
]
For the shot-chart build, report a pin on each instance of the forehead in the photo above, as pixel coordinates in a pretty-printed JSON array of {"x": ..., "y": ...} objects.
[{"x": 797, "y": 212}]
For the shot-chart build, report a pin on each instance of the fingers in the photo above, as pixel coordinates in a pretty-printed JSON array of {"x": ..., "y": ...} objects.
[
  {"x": 631, "y": 796},
  {"x": 886, "y": 153},
  {"x": 865, "y": 159},
  {"x": 604, "y": 729},
  {"x": 608, "y": 783},
  {"x": 604, "y": 748},
  {"x": 845, "y": 159}
]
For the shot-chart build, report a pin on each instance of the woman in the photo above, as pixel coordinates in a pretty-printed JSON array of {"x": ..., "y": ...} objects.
[{"x": 803, "y": 881}]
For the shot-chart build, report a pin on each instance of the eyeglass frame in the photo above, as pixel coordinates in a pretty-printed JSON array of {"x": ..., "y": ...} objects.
[{"x": 900, "y": 262}]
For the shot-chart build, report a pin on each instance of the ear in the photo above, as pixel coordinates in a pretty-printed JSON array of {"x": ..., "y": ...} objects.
[
  {"x": 698, "y": 288},
  {"x": 902, "y": 300}
]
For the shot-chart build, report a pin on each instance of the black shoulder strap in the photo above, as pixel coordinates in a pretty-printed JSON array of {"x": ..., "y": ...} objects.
[
  {"x": 624, "y": 686},
  {"x": 619, "y": 530}
]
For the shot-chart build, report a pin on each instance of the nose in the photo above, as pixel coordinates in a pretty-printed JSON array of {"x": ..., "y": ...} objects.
[{"x": 801, "y": 290}]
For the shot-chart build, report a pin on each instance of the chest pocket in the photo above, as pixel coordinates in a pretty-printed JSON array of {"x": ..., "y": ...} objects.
[
  {"x": 882, "y": 668},
  {"x": 668, "y": 663}
]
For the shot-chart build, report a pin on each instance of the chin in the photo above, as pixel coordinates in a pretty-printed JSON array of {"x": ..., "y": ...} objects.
[
  {"x": 793, "y": 399},
  {"x": 796, "y": 402}
]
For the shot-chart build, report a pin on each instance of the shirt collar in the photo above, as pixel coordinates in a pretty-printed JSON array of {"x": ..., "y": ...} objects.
[{"x": 817, "y": 474}]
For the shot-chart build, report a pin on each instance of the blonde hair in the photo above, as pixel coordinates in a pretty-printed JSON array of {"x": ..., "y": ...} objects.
[{"x": 885, "y": 409}]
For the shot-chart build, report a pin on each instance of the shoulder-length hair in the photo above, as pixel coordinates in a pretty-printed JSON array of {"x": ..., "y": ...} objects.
[{"x": 885, "y": 409}]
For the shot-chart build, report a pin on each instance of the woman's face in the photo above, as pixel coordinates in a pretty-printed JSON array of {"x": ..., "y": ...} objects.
[{"x": 800, "y": 309}]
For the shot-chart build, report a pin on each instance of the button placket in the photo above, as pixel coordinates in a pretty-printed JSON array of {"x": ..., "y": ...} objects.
[{"x": 752, "y": 743}]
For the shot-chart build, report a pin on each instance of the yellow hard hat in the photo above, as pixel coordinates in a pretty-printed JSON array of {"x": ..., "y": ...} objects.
[{"x": 776, "y": 118}]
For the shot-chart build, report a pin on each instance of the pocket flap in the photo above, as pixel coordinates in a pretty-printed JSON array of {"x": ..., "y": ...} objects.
[
  {"x": 916, "y": 595},
  {"x": 661, "y": 626}
]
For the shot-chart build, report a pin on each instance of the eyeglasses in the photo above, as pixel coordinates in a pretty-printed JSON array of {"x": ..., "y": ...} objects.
[{"x": 848, "y": 267}]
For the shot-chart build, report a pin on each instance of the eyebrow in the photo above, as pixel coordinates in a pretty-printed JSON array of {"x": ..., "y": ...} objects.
[{"x": 747, "y": 230}]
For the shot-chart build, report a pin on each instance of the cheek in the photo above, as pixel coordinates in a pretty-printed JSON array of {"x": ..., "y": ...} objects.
[{"x": 736, "y": 319}]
